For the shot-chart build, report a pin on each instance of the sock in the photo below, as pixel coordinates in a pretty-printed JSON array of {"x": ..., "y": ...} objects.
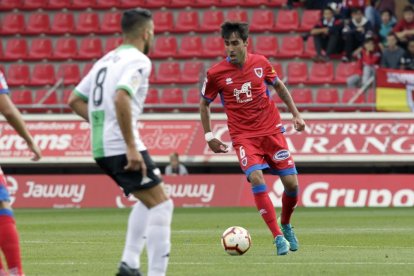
[
  {"x": 159, "y": 232},
  {"x": 9, "y": 242},
  {"x": 266, "y": 208},
  {"x": 135, "y": 237},
  {"x": 289, "y": 201}
]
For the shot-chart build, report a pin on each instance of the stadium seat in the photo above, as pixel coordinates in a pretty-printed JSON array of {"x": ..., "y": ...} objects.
[
  {"x": 43, "y": 74},
  {"x": 18, "y": 74},
  {"x": 65, "y": 96},
  {"x": 309, "y": 51},
  {"x": 279, "y": 69},
  {"x": 345, "y": 70},
  {"x": 127, "y": 4},
  {"x": 213, "y": 47},
  {"x": 191, "y": 72},
  {"x": 82, "y": 4},
  {"x": 106, "y": 4},
  {"x": 237, "y": 15},
  {"x": 193, "y": 96},
  {"x": 211, "y": 21},
  {"x": 321, "y": 73},
  {"x": 303, "y": 98},
  {"x": 276, "y": 3},
  {"x": 16, "y": 48},
  {"x": 297, "y": 72},
  {"x": 250, "y": 44},
  {"x": 228, "y": 3},
  {"x": 37, "y": 24},
  {"x": 63, "y": 23},
  {"x": 12, "y": 23},
  {"x": 87, "y": 23},
  {"x": 186, "y": 21},
  {"x": 66, "y": 48},
  {"x": 266, "y": 45},
  {"x": 165, "y": 46},
  {"x": 163, "y": 21},
  {"x": 262, "y": 20},
  {"x": 111, "y": 23},
  {"x": 309, "y": 19},
  {"x": 181, "y": 3},
  {"x": 7, "y": 5},
  {"x": 168, "y": 72},
  {"x": 191, "y": 46},
  {"x": 205, "y": 3},
  {"x": 254, "y": 3},
  {"x": 45, "y": 98},
  {"x": 153, "y": 75},
  {"x": 291, "y": 46},
  {"x": 41, "y": 48},
  {"x": 327, "y": 97},
  {"x": 112, "y": 43},
  {"x": 69, "y": 72},
  {"x": 287, "y": 20},
  {"x": 157, "y": 4},
  {"x": 33, "y": 4},
  {"x": 152, "y": 96},
  {"x": 90, "y": 48},
  {"x": 172, "y": 96},
  {"x": 86, "y": 68},
  {"x": 358, "y": 104},
  {"x": 58, "y": 4},
  {"x": 21, "y": 97}
]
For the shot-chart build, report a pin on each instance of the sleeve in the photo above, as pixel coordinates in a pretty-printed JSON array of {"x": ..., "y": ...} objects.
[
  {"x": 270, "y": 74},
  {"x": 83, "y": 89},
  {"x": 399, "y": 27},
  {"x": 209, "y": 90},
  {"x": 4, "y": 89},
  {"x": 133, "y": 76},
  {"x": 183, "y": 170}
]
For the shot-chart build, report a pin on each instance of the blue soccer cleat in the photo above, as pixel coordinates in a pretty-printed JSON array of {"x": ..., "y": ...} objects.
[
  {"x": 282, "y": 245},
  {"x": 290, "y": 236}
]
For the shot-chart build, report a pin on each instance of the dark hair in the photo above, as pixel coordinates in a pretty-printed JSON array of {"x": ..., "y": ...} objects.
[
  {"x": 356, "y": 10},
  {"x": 387, "y": 11},
  {"x": 329, "y": 9},
  {"x": 369, "y": 39},
  {"x": 131, "y": 19},
  {"x": 394, "y": 35},
  {"x": 408, "y": 8},
  {"x": 240, "y": 28}
]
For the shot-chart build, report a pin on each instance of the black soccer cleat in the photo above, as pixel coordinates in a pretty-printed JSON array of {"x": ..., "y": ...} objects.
[{"x": 125, "y": 270}]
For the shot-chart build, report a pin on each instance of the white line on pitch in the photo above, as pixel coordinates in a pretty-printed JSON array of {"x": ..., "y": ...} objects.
[{"x": 296, "y": 263}]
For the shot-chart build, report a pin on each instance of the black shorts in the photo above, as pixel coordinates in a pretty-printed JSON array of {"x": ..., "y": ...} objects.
[{"x": 130, "y": 181}]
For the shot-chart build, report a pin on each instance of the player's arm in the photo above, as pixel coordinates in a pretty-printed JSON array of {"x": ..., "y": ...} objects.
[
  {"x": 284, "y": 94},
  {"x": 79, "y": 105},
  {"x": 15, "y": 119}
]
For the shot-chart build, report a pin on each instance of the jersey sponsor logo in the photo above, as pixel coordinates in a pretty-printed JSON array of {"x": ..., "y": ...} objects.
[
  {"x": 259, "y": 72},
  {"x": 229, "y": 81},
  {"x": 281, "y": 155},
  {"x": 244, "y": 162},
  {"x": 246, "y": 90}
]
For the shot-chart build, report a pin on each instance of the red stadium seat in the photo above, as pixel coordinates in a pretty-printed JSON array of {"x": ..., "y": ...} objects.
[
  {"x": 127, "y": 4},
  {"x": 12, "y": 23},
  {"x": 297, "y": 72},
  {"x": 44, "y": 97},
  {"x": 321, "y": 73},
  {"x": 86, "y": 68},
  {"x": 309, "y": 49},
  {"x": 228, "y": 3},
  {"x": 287, "y": 20},
  {"x": 165, "y": 46},
  {"x": 6, "y": 5},
  {"x": 303, "y": 98},
  {"x": 66, "y": 48},
  {"x": 211, "y": 21},
  {"x": 266, "y": 45},
  {"x": 62, "y": 23},
  {"x": 106, "y": 4},
  {"x": 213, "y": 47},
  {"x": 191, "y": 72},
  {"x": 172, "y": 96},
  {"x": 87, "y": 23},
  {"x": 181, "y": 3},
  {"x": 345, "y": 70},
  {"x": 237, "y": 15},
  {"x": 33, "y": 4},
  {"x": 16, "y": 48},
  {"x": 187, "y": 21},
  {"x": 41, "y": 48},
  {"x": 163, "y": 21},
  {"x": 70, "y": 73},
  {"x": 279, "y": 69},
  {"x": 38, "y": 23},
  {"x": 276, "y": 3},
  {"x": 327, "y": 97},
  {"x": 193, "y": 96},
  {"x": 65, "y": 96},
  {"x": 152, "y": 96},
  {"x": 90, "y": 48},
  {"x": 112, "y": 43},
  {"x": 205, "y": 3},
  {"x": 292, "y": 46},
  {"x": 153, "y": 75},
  {"x": 156, "y": 4},
  {"x": 254, "y": 3},
  {"x": 250, "y": 44},
  {"x": 82, "y": 4},
  {"x": 262, "y": 20},
  {"x": 43, "y": 74},
  {"x": 309, "y": 20},
  {"x": 169, "y": 72},
  {"x": 18, "y": 74},
  {"x": 191, "y": 46},
  {"x": 111, "y": 23},
  {"x": 58, "y": 4},
  {"x": 22, "y": 97},
  {"x": 359, "y": 103}
]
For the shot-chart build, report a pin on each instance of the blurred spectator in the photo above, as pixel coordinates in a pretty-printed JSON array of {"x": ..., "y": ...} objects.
[
  {"x": 175, "y": 167},
  {"x": 374, "y": 11},
  {"x": 354, "y": 33},
  {"x": 392, "y": 54},
  {"x": 319, "y": 4},
  {"x": 327, "y": 35},
  {"x": 387, "y": 24},
  {"x": 368, "y": 62},
  {"x": 407, "y": 61},
  {"x": 349, "y": 5},
  {"x": 405, "y": 27}
]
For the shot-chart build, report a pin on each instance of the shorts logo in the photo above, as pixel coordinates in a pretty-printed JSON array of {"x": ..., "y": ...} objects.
[
  {"x": 258, "y": 72},
  {"x": 281, "y": 155}
]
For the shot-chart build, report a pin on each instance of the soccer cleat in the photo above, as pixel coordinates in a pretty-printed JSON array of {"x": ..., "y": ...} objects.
[
  {"x": 125, "y": 270},
  {"x": 282, "y": 245},
  {"x": 290, "y": 236}
]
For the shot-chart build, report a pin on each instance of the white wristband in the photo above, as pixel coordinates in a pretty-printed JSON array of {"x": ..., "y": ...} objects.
[{"x": 209, "y": 136}]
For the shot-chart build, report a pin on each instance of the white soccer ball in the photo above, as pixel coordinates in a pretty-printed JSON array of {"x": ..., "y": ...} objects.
[{"x": 236, "y": 240}]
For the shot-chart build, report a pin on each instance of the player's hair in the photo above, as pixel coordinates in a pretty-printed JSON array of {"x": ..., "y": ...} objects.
[
  {"x": 240, "y": 28},
  {"x": 134, "y": 19}
]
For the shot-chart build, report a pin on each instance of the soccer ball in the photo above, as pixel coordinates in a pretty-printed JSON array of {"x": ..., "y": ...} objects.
[{"x": 236, "y": 240}]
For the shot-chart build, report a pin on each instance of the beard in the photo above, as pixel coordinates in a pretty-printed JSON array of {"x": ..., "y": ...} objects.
[{"x": 146, "y": 48}]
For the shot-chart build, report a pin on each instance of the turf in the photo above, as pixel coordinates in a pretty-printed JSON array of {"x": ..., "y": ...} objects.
[{"x": 332, "y": 242}]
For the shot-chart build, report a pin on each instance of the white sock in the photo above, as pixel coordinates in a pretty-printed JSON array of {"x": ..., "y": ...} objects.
[
  {"x": 158, "y": 243},
  {"x": 135, "y": 237}
]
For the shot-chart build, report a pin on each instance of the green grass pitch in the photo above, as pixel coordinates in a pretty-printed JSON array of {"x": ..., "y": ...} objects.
[{"x": 335, "y": 241}]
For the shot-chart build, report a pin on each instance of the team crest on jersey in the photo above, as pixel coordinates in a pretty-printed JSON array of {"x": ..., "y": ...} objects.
[
  {"x": 259, "y": 72},
  {"x": 229, "y": 81},
  {"x": 281, "y": 155},
  {"x": 244, "y": 90}
]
